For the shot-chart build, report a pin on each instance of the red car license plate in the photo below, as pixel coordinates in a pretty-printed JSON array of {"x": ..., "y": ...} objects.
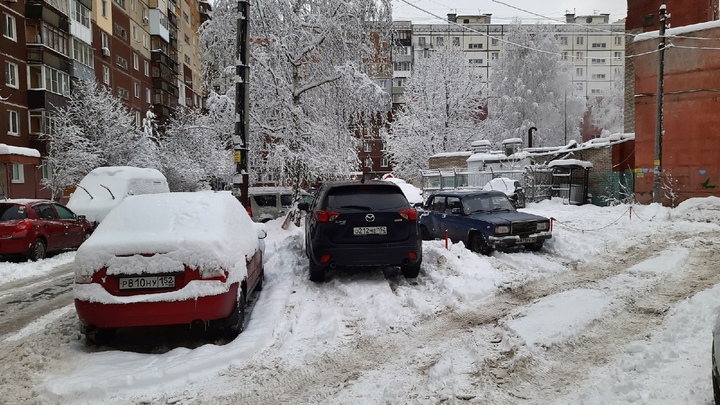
[{"x": 147, "y": 282}]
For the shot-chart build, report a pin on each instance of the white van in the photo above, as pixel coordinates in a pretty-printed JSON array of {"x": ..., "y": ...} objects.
[
  {"x": 104, "y": 187},
  {"x": 268, "y": 203}
]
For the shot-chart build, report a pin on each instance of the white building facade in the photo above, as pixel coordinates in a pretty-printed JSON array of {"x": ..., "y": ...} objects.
[{"x": 594, "y": 47}]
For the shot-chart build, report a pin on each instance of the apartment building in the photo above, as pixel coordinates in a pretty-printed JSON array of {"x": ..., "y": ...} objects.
[
  {"x": 134, "y": 47},
  {"x": 592, "y": 44}
]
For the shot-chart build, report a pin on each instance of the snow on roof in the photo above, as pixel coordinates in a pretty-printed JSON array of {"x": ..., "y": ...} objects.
[
  {"x": 481, "y": 142},
  {"x": 450, "y": 154},
  {"x": 104, "y": 187},
  {"x": 18, "y": 150},
  {"x": 570, "y": 162},
  {"x": 685, "y": 29},
  {"x": 205, "y": 230},
  {"x": 512, "y": 140},
  {"x": 486, "y": 157}
]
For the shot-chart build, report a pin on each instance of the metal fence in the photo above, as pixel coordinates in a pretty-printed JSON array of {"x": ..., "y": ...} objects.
[{"x": 535, "y": 180}]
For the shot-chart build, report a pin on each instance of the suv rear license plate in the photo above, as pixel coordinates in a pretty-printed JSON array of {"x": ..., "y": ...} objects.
[
  {"x": 369, "y": 230},
  {"x": 147, "y": 283},
  {"x": 527, "y": 240}
]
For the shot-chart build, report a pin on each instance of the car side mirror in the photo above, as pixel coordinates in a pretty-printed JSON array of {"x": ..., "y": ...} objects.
[
  {"x": 80, "y": 217},
  {"x": 303, "y": 206},
  {"x": 456, "y": 210}
]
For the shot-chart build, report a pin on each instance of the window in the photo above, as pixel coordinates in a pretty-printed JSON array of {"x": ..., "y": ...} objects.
[
  {"x": 187, "y": 60},
  {"x": 45, "y": 166},
  {"x": 137, "y": 118},
  {"x": 367, "y": 147},
  {"x": 599, "y": 45},
  {"x": 147, "y": 68},
  {"x": 120, "y": 31},
  {"x": 82, "y": 52},
  {"x": 598, "y": 61},
  {"x": 494, "y": 41},
  {"x": 18, "y": 173},
  {"x": 46, "y": 78},
  {"x": 578, "y": 55},
  {"x": 618, "y": 40},
  {"x": 383, "y": 146},
  {"x": 123, "y": 93},
  {"x": 186, "y": 17},
  {"x": 13, "y": 121},
  {"x": 564, "y": 56},
  {"x": 120, "y": 3},
  {"x": 649, "y": 20},
  {"x": 368, "y": 162},
  {"x": 580, "y": 40},
  {"x": 495, "y": 56},
  {"x": 106, "y": 75},
  {"x": 80, "y": 13},
  {"x": 595, "y": 91},
  {"x": 598, "y": 76},
  {"x": 579, "y": 72},
  {"x": 186, "y": 39},
  {"x": 104, "y": 8},
  {"x": 9, "y": 28},
  {"x": 136, "y": 62},
  {"x": 563, "y": 40},
  {"x": 11, "y": 75},
  {"x": 475, "y": 61},
  {"x": 122, "y": 62},
  {"x": 63, "y": 212},
  {"x": 579, "y": 86},
  {"x": 133, "y": 4},
  {"x": 456, "y": 41},
  {"x": 145, "y": 41},
  {"x": 475, "y": 46},
  {"x": 55, "y": 39},
  {"x": 617, "y": 55},
  {"x": 137, "y": 89},
  {"x": 148, "y": 95},
  {"x": 384, "y": 162},
  {"x": 421, "y": 41},
  {"x": 134, "y": 33},
  {"x": 440, "y": 41},
  {"x": 104, "y": 40}
]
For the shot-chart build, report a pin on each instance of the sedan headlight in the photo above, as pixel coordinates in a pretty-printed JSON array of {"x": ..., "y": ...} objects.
[
  {"x": 500, "y": 229},
  {"x": 543, "y": 226}
]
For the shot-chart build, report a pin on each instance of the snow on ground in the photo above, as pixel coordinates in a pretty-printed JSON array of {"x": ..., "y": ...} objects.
[{"x": 373, "y": 338}]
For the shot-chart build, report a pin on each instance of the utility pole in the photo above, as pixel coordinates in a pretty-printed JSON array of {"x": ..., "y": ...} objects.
[
  {"x": 565, "y": 115},
  {"x": 657, "y": 174},
  {"x": 242, "y": 102}
]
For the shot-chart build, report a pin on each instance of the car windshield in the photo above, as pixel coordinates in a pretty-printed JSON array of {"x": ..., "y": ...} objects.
[{"x": 486, "y": 203}]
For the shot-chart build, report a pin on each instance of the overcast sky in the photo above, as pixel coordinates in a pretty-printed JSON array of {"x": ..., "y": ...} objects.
[{"x": 503, "y": 11}]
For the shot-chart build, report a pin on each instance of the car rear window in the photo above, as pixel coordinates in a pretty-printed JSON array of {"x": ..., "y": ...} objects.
[
  {"x": 11, "y": 212},
  {"x": 286, "y": 200},
  {"x": 266, "y": 200},
  {"x": 371, "y": 197}
]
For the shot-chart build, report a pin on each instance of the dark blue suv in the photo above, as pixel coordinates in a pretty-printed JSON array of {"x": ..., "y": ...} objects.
[
  {"x": 357, "y": 224},
  {"x": 482, "y": 220}
]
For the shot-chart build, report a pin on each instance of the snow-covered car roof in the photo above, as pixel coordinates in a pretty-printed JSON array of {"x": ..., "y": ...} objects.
[
  {"x": 412, "y": 193},
  {"x": 204, "y": 230},
  {"x": 104, "y": 187},
  {"x": 504, "y": 184}
]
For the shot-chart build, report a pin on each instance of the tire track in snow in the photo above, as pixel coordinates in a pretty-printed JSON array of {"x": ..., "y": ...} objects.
[{"x": 325, "y": 374}]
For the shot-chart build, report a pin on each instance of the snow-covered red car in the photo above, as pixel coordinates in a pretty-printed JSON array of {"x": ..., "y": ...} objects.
[{"x": 169, "y": 258}]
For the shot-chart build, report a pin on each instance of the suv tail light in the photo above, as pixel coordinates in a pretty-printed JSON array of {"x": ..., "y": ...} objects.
[
  {"x": 325, "y": 216},
  {"x": 23, "y": 226},
  {"x": 249, "y": 210},
  {"x": 409, "y": 214}
]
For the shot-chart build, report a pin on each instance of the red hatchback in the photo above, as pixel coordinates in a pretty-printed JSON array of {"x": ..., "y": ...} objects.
[{"x": 32, "y": 228}]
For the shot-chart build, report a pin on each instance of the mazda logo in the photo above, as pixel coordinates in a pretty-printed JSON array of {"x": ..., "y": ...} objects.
[{"x": 370, "y": 217}]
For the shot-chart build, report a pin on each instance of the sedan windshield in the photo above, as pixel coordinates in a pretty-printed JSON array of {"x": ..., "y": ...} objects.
[{"x": 486, "y": 203}]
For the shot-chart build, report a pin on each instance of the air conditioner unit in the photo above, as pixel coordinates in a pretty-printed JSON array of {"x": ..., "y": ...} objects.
[
  {"x": 105, "y": 51},
  {"x": 145, "y": 20}
]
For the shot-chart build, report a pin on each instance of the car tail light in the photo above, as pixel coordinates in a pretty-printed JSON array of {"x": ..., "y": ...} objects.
[
  {"x": 412, "y": 255},
  {"x": 249, "y": 210},
  {"x": 325, "y": 216},
  {"x": 23, "y": 226},
  {"x": 83, "y": 278},
  {"x": 325, "y": 258},
  {"x": 409, "y": 214}
]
